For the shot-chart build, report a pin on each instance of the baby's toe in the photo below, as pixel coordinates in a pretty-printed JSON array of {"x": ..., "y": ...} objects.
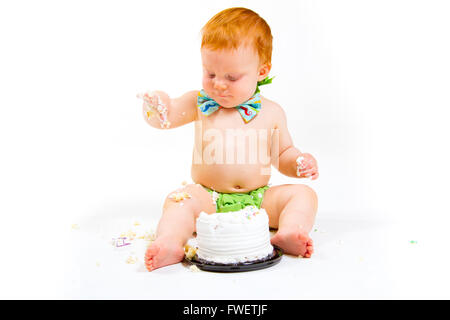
[{"x": 150, "y": 257}]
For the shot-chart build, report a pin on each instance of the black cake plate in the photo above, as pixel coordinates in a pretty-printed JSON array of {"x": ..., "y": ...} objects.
[{"x": 267, "y": 262}]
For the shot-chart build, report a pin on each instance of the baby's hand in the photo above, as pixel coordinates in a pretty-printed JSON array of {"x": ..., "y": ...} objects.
[
  {"x": 155, "y": 103},
  {"x": 307, "y": 167}
]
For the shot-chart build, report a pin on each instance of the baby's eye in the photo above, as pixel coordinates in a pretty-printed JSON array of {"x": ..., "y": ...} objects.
[
  {"x": 230, "y": 78},
  {"x": 211, "y": 76}
]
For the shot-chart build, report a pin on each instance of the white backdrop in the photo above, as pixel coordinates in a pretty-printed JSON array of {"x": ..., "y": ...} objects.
[{"x": 365, "y": 85}]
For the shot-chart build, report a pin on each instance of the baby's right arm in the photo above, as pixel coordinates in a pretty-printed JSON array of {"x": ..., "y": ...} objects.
[{"x": 160, "y": 111}]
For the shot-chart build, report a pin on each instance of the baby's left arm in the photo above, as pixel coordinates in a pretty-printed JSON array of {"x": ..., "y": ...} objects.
[{"x": 292, "y": 162}]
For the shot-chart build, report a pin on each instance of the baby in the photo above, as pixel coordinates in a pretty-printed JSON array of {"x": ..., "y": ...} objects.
[{"x": 228, "y": 172}]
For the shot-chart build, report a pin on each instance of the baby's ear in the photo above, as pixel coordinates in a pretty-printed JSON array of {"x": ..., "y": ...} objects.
[{"x": 264, "y": 71}]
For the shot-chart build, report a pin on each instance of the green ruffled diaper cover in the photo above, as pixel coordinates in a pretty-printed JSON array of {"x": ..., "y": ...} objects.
[{"x": 227, "y": 202}]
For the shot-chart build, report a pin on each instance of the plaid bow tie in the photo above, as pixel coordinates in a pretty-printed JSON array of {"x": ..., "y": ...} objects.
[{"x": 248, "y": 109}]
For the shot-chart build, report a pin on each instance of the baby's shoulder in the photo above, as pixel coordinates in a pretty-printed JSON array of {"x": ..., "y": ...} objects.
[
  {"x": 273, "y": 109},
  {"x": 270, "y": 105}
]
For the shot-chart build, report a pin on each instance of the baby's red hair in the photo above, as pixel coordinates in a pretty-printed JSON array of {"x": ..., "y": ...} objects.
[{"x": 234, "y": 27}]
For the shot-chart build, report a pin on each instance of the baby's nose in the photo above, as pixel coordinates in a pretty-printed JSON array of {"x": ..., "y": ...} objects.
[{"x": 219, "y": 85}]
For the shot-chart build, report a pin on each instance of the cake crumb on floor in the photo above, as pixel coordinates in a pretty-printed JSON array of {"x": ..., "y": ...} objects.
[
  {"x": 194, "y": 268},
  {"x": 131, "y": 260},
  {"x": 75, "y": 227}
]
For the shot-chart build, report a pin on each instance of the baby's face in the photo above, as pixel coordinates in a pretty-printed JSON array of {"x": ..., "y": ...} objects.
[{"x": 230, "y": 76}]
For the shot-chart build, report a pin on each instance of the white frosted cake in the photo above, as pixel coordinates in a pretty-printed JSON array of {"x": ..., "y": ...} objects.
[{"x": 233, "y": 237}]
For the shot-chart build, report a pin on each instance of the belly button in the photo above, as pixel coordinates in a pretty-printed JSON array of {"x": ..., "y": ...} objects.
[{"x": 238, "y": 187}]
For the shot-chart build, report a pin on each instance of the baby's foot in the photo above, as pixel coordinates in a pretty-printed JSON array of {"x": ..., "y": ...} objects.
[
  {"x": 162, "y": 253},
  {"x": 294, "y": 241}
]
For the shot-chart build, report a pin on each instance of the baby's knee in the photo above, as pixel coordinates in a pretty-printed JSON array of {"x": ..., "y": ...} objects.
[
  {"x": 304, "y": 191},
  {"x": 185, "y": 196}
]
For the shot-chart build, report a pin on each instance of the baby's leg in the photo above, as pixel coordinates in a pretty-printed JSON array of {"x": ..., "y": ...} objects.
[
  {"x": 177, "y": 225},
  {"x": 292, "y": 210}
]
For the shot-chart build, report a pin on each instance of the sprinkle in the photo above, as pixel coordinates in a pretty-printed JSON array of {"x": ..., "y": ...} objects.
[
  {"x": 413, "y": 242},
  {"x": 120, "y": 242},
  {"x": 97, "y": 264},
  {"x": 75, "y": 227}
]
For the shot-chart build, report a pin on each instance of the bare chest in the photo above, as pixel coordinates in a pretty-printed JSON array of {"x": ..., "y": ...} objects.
[
  {"x": 229, "y": 122},
  {"x": 223, "y": 137}
]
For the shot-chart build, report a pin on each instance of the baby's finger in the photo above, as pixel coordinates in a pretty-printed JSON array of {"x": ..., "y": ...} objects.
[
  {"x": 307, "y": 172},
  {"x": 302, "y": 173},
  {"x": 309, "y": 168},
  {"x": 312, "y": 174},
  {"x": 306, "y": 176},
  {"x": 312, "y": 165}
]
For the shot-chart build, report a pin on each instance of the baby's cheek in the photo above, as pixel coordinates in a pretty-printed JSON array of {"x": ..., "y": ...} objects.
[{"x": 206, "y": 84}]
